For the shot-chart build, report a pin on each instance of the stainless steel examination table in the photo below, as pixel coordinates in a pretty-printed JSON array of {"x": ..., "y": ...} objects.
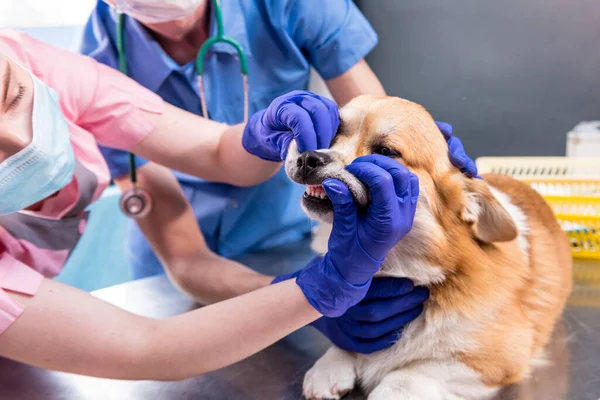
[{"x": 277, "y": 372}]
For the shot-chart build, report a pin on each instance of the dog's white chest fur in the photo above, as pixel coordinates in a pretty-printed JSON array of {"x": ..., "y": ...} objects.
[{"x": 421, "y": 340}]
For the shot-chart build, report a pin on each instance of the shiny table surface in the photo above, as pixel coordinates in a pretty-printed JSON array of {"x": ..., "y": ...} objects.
[{"x": 277, "y": 372}]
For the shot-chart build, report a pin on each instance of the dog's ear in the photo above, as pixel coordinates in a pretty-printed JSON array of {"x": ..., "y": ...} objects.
[{"x": 488, "y": 219}]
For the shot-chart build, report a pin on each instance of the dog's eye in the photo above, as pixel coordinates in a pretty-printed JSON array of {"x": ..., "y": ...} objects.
[{"x": 386, "y": 151}]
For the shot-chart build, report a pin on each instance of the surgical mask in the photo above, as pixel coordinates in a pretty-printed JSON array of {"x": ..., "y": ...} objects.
[
  {"x": 46, "y": 165},
  {"x": 156, "y": 11}
]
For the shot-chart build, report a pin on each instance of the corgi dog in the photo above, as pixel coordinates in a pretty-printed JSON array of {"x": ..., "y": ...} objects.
[{"x": 491, "y": 251}]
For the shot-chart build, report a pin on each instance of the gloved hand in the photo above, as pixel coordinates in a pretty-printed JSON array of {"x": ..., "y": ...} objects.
[
  {"x": 377, "y": 321},
  {"x": 309, "y": 119},
  {"x": 358, "y": 244},
  {"x": 456, "y": 150}
]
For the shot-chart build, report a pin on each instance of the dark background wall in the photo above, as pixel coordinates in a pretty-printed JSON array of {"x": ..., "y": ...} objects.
[{"x": 512, "y": 76}]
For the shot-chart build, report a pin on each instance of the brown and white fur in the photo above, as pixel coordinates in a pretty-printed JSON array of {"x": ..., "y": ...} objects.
[{"x": 492, "y": 253}]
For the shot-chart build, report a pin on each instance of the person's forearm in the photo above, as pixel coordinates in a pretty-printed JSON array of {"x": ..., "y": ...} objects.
[
  {"x": 229, "y": 331},
  {"x": 207, "y": 149},
  {"x": 68, "y": 330},
  {"x": 173, "y": 232},
  {"x": 210, "y": 278},
  {"x": 238, "y": 164}
]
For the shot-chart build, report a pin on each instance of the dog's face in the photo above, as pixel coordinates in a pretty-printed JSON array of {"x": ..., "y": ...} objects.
[
  {"x": 404, "y": 131},
  {"x": 389, "y": 126}
]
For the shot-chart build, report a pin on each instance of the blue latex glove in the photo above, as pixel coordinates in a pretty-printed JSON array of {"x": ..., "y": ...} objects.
[
  {"x": 377, "y": 321},
  {"x": 307, "y": 118},
  {"x": 456, "y": 150},
  {"x": 359, "y": 243}
]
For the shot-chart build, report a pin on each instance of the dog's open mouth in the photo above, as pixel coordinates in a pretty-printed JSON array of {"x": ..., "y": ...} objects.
[{"x": 316, "y": 200}]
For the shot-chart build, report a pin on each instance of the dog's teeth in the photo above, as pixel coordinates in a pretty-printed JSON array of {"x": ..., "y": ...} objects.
[{"x": 315, "y": 191}]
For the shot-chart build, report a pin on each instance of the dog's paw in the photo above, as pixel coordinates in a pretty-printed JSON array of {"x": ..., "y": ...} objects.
[{"x": 332, "y": 376}]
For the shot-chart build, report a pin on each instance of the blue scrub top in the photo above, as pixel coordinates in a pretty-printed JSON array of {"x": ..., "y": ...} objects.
[{"x": 281, "y": 39}]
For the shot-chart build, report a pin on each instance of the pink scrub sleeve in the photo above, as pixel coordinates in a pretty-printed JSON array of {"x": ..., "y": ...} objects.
[
  {"x": 116, "y": 114},
  {"x": 93, "y": 96}
]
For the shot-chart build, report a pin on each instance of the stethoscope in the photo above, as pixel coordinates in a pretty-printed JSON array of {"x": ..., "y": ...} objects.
[{"x": 136, "y": 202}]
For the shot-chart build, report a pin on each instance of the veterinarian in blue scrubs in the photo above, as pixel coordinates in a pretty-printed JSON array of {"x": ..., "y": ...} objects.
[{"x": 282, "y": 39}]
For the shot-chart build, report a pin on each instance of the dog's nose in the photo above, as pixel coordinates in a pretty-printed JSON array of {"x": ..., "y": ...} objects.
[{"x": 311, "y": 160}]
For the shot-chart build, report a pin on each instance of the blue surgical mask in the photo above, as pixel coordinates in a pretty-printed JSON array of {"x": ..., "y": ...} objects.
[{"x": 46, "y": 165}]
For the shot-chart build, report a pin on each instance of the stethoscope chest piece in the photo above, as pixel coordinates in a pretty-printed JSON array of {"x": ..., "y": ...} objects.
[{"x": 135, "y": 203}]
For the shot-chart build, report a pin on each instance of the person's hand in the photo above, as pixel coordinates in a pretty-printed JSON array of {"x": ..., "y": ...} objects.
[
  {"x": 309, "y": 119},
  {"x": 367, "y": 237},
  {"x": 376, "y": 322},
  {"x": 359, "y": 243},
  {"x": 456, "y": 151}
]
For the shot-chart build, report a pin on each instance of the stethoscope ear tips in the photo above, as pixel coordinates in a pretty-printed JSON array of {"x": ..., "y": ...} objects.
[{"x": 135, "y": 203}]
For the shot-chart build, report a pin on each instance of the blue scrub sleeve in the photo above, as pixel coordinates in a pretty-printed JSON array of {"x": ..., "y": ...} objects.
[
  {"x": 118, "y": 161},
  {"x": 334, "y": 35},
  {"x": 89, "y": 41}
]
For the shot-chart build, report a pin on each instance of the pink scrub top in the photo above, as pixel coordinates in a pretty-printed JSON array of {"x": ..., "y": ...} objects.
[{"x": 102, "y": 107}]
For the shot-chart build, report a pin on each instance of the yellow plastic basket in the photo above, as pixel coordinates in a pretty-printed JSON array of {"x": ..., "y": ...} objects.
[
  {"x": 570, "y": 185},
  {"x": 533, "y": 168}
]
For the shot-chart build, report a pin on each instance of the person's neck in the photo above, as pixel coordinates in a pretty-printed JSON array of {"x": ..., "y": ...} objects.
[{"x": 184, "y": 50}]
